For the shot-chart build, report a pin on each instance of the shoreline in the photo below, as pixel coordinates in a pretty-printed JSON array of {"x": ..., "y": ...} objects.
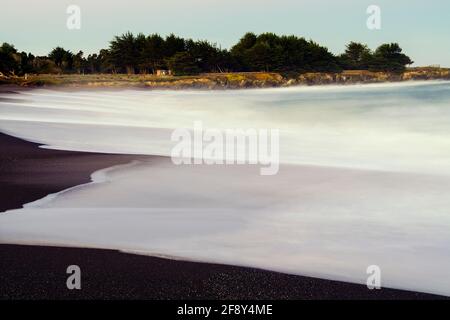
[
  {"x": 29, "y": 173},
  {"x": 23, "y": 183},
  {"x": 221, "y": 81}
]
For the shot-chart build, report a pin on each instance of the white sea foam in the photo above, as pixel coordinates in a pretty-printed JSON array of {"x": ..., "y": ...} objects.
[
  {"x": 364, "y": 180},
  {"x": 381, "y": 127}
]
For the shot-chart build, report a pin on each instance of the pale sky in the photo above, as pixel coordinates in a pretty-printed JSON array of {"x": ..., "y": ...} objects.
[{"x": 421, "y": 27}]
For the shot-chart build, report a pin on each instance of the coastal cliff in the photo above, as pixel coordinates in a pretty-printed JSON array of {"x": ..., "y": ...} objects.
[{"x": 226, "y": 80}]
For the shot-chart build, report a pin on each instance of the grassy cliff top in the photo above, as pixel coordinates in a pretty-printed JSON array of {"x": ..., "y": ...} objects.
[{"x": 223, "y": 80}]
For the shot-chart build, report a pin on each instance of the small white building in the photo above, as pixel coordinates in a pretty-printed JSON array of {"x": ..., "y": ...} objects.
[{"x": 163, "y": 72}]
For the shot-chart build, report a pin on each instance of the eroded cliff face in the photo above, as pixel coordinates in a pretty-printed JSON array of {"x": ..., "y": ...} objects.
[
  {"x": 362, "y": 76},
  {"x": 228, "y": 80},
  {"x": 225, "y": 81},
  {"x": 427, "y": 74},
  {"x": 266, "y": 79}
]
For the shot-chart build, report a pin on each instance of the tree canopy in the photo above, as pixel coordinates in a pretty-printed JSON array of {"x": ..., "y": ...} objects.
[
  {"x": 139, "y": 53},
  {"x": 387, "y": 57}
]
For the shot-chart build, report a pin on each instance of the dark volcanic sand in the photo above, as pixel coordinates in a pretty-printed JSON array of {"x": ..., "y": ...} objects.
[
  {"x": 33, "y": 272},
  {"x": 28, "y": 173}
]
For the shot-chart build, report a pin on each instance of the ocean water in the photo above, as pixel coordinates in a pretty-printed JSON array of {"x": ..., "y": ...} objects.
[{"x": 363, "y": 180}]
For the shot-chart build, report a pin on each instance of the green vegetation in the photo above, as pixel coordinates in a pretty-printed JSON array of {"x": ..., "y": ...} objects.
[
  {"x": 267, "y": 52},
  {"x": 387, "y": 57}
]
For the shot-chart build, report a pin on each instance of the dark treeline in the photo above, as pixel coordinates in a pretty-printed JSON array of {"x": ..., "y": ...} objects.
[{"x": 147, "y": 54}]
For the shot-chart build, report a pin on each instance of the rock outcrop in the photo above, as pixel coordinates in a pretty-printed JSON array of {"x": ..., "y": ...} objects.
[{"x": 227, "y": 80}]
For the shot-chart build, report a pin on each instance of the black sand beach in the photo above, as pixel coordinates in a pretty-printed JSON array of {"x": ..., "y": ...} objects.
[
  {"x": 31, "y": 272},
  {"x": 28, "y": 173}
]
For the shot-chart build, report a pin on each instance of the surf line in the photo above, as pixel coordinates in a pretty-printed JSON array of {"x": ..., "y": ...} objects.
[{"x": 97, "y": 177}]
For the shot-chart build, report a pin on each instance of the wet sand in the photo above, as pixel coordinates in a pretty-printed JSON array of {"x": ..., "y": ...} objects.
[{"x": 28, "y": 173}]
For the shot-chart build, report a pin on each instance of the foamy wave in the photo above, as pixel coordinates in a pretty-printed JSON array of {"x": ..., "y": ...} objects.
[
  {"x": 364, "y": 180},
  {"x": 391, "y": 127}
]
